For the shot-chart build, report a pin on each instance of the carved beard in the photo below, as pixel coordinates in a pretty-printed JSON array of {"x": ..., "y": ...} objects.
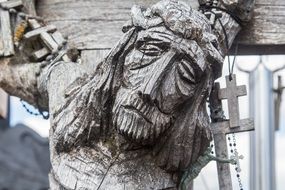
[{"x": 139, "y": 120}]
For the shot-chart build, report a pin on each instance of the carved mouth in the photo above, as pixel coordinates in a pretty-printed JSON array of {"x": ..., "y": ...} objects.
[
  {"x": 140, "y": 120},
  {"x": 143, "y": 109}
]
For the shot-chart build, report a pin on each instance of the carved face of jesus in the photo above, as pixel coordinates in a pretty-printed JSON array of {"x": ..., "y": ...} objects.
[{"x": 161, "y": 72}]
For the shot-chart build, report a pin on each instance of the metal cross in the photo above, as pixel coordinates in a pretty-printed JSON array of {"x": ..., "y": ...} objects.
[
  {"x": 220, "y": 127},
  {"x": 231, "y": 93},
  {"x": 6, "y": 36}
]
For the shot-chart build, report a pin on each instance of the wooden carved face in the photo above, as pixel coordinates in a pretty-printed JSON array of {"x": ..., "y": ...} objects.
[{"x": 161, "y": 72}]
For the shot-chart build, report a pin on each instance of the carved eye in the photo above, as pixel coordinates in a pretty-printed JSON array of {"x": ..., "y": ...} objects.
[{"x": 152, "y": 48}]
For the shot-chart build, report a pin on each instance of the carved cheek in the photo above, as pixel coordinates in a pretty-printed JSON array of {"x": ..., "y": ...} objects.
[
  {"x": 175, "y": 90},
  {"x": 138, "y": 67}
]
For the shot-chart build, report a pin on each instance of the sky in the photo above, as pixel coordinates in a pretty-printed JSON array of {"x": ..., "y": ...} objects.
[{"x": 207, "y": 180}]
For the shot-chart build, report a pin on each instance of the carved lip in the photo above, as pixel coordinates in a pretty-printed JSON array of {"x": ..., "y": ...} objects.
[{"x": 133, "y": 109}]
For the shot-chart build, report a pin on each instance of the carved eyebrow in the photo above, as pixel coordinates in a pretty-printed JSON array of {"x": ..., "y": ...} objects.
[{"x": 156, "y": 36}]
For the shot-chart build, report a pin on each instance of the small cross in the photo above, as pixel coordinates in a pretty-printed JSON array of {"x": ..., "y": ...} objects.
[
  {"x": 220, "y": 127},
  {"x": 6, "y": 36},
  {"x": 51, "y": 38},
  {"x": 237, "y": 157},
  {"x": 231, "y": 93}
]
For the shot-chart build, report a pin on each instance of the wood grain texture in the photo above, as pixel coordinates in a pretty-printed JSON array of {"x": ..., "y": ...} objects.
[
  {"x": 128, "y": 125},
  {"x": 97, "y": 24},
  {"x": 6, "y": 39}
]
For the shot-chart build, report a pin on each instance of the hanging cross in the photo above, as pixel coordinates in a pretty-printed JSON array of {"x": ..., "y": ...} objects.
[
  {"x": 220, "y": 127},
  {"x": 231, "y": 93},
  {"x": 6, "y": 36}
]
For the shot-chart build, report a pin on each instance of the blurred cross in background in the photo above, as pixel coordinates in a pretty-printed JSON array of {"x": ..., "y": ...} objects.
[{"x": 4, "y": 110}]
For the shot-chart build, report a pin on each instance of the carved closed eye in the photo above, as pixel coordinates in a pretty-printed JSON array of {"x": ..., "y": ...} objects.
[{"x": 152, "y": 47}]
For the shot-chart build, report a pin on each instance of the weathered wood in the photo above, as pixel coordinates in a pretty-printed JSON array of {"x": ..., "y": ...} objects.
[
  {"x": 222, "y": 127},
  {"x": 35, "y": 33},
  {"x": 100, "y": 25},
  {"x": 51, "y": 38},
  {"x": 58, "y": 38},
  {"x": 12, "y": 4},
  {"x": 223, "y": 169},
  {"x": 40, "y": 53},
  {"x": 29, "y": 7},
  {"x": 3, "y": 104},
  {"x": 130, "y": 125},
  {"x": 91, "y": 58},
  {"x": 6, "y": 40}
]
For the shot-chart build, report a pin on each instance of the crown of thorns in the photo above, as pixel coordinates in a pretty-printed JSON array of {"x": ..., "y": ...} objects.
[{"x": 182, "y": 20}]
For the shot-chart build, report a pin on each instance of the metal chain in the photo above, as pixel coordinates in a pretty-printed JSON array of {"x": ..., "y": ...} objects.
[{"x": 45, "y": 116}]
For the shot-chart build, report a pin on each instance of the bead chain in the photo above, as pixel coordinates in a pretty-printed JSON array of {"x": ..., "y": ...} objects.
[{"x": 234, "y": 151}]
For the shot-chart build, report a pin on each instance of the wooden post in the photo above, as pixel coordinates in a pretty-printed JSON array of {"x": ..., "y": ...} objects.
[
  {"x": 220, "y": 127},
  {"x": 263, "y": 35},
  {"x": 3, "y": 104},
  {"x": 6, "y": 42}
]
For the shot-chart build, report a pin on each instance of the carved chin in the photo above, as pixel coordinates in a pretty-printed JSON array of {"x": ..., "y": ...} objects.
[{"x": 140, "y": 122}]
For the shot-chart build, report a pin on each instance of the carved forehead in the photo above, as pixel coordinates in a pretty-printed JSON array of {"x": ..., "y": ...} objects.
[
  {"x": 183, "y": 22},
  {"x": 190, "y": 48}
]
